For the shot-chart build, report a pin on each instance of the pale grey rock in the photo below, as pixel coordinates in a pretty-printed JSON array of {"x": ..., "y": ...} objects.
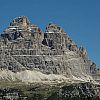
[{"x": 23, "y": 46}]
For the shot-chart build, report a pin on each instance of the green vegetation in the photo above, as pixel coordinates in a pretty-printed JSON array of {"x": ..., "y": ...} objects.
[
  {"x": 62, "y": 91},
  {"x": 33, "y": 91}
]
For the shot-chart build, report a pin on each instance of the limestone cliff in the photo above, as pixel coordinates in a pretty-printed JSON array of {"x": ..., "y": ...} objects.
[{"x": 27, "y": 51}]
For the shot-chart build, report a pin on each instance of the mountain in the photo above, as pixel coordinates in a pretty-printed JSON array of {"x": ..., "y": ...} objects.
[{"x": 28, "y": 55}]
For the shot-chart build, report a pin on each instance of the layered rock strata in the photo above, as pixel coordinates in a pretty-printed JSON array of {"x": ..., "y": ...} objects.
[{"x": 24, "y": 46}]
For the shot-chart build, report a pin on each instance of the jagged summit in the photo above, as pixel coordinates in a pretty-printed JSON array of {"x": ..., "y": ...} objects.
[
  {"x": 54, "y": 28},
  {"x": 26, "y": 49},
  {"x": 21, "y": 21},
  {"x": 21, "y": 28}
]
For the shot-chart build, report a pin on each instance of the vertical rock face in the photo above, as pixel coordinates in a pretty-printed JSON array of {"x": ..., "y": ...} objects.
[
  {"x": 22, "y": 22},
  {"x": 58, "y": 39},
  {"x": 95, "y": 72},
  {"x": 23, "y": 46},
  {"x": 22, "y": 34}
]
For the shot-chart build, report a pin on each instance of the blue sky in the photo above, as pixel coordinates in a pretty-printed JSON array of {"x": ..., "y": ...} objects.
[{"x": 79, "y": 18}]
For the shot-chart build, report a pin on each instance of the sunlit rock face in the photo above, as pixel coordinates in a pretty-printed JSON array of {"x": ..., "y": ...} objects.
[{"x": 24, "y": 46}]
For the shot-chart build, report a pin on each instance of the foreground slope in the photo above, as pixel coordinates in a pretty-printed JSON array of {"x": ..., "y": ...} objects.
[{"x": 44, "y": 91}]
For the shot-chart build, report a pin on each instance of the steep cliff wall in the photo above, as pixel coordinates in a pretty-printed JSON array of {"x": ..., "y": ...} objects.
[{"x": 24, "y": 46}]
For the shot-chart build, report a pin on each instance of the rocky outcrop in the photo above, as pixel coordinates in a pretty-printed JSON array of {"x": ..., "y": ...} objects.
[
  {"x": 95, "y": 72},
  {"x": 78, "y": 91},
  {"x": 82, "y": 91},
  {"x": 24, "y": 46}
]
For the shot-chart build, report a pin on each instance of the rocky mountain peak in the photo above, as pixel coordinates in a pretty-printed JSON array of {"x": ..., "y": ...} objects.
[
  {"x": 20, "y": 28},
  {"x": 54, "y": 28},
  {"x": 24, "y": 46},
  {"x": 21, "y": 21},
  {"x": 37, "y": 65}
]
